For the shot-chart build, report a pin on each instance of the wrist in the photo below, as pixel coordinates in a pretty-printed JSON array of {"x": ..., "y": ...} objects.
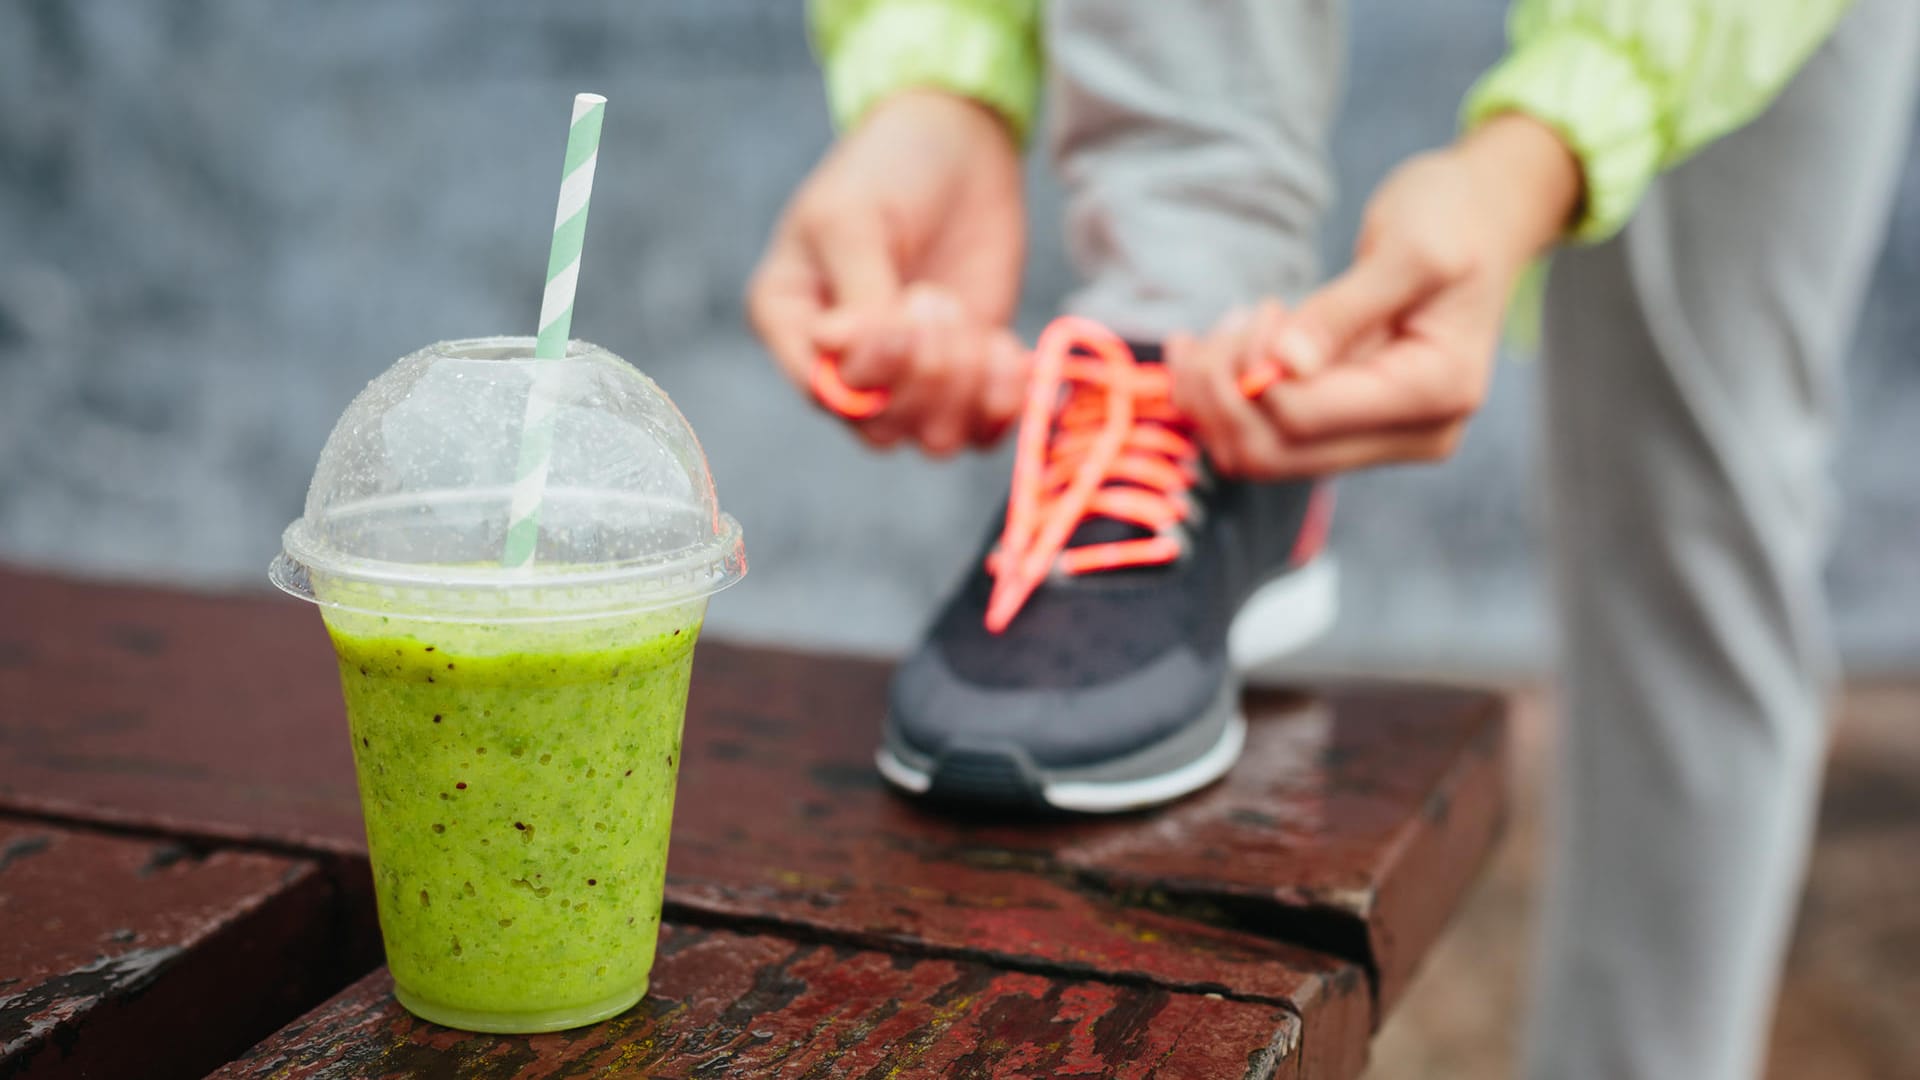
[
  {"x": 931, "y": 107},
  {"x": 1538, "y": 179},
  {"x": 949, "y": 103}
]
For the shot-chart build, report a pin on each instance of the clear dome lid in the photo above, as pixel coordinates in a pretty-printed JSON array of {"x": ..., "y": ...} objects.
[{"x": 410, "y": 503}]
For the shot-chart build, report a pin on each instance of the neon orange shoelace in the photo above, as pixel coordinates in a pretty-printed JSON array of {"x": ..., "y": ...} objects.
[{"x": 1099, "y": 438}]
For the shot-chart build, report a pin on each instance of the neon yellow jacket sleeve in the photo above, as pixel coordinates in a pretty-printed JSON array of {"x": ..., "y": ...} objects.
[
  {"x": 987, "y": 50},
  {"x": 1634, "y": 86}
]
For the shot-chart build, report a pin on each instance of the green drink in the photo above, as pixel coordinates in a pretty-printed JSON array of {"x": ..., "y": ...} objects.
[
  {"x": 518, "y": 805},
  {"x": 516, "y": 730}
]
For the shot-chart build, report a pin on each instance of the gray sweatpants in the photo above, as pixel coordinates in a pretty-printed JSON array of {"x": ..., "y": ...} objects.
[{"x": 1692, "y": 390}]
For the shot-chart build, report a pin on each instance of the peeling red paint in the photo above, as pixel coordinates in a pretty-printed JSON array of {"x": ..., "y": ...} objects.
[
  {"x": 112, "y": 947},
  {"x": 1337, "y": 849},
  {"x": 734, "y": 1005}
]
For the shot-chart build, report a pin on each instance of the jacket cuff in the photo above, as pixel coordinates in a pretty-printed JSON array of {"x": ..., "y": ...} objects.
[
  {"x": 978, "y": 51},
  {"x": 1597, "y": 97}
]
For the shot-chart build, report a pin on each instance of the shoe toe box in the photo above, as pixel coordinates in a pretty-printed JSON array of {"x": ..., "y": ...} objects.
[{"x": 933, "y": 707}]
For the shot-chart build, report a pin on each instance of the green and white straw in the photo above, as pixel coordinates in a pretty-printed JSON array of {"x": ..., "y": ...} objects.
[{"x": 556, "y": 322}]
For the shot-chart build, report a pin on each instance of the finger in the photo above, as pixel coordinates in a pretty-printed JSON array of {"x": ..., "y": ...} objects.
[
  {"x": 1374, "y": 291},
  {"x": 920, "y": 392},
  {"x": 1212, "y": 356},
  {"x": 783, "y": 307},
  {"x": 879, "y": 359},
  {"x": 857, "y": 264},
  {"x": 1436, "y": 370},
  {"x": 1254, "y": 438},
  {"x": 887, "y": 428},
  {"x": 1254, "y": 431},
  {"x": 839, "y": 328},
  {"x": 953, "y": 346},
  {"x": 1250, "y": 434},
  {"x": 832, "y": 344},
  {"x": 1257, "y": 350},
  {"x": 1428, "y": 443},
  {"x": 1189, "y": 381},
  {"x": 1403, "y": 384},
  {"x": 879, "y": 354},
  {"x": 879, "y": 434},
  {"x": 949, "y": 409},
  {"x": 1193, "y": 394},
  {"x": 926, "y": 302},
  {"x": 859, "y": 326},
  {"x": 1005, "y": 393},
  {"x": 878, "y": 344}
]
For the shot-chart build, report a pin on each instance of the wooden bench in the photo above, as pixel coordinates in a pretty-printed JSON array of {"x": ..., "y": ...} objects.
[{"x": 815, "y": 924}]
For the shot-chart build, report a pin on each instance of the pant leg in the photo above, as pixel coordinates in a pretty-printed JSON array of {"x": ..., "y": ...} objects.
[
  {"x": 1692, "y": 388},
  {"x": 1191, "y": 137}
]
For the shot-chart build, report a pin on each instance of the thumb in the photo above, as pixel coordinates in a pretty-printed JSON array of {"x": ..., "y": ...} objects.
[
  {"x": 1376, "y": 289},
  {"x": 783, "y": 304}
]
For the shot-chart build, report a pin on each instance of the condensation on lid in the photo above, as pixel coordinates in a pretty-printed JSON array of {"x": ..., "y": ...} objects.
[{"x": 410, "y": 502}]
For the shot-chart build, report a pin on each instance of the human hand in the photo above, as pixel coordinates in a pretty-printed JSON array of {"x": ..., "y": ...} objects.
[
  {"x": 900, "y": 256},
  {"x": 1387, "y": 362},
  {"x": 926, "y": 371}
]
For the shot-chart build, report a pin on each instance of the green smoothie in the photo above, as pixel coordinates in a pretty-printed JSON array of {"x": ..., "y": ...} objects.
[{"x": 518, "y": 789}]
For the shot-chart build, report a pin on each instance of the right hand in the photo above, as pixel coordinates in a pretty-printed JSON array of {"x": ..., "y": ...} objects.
[
  {"x": 901, "y": 254},
  {"x": 1389, "y": 361}
]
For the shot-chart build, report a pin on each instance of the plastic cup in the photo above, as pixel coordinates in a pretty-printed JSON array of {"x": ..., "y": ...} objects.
[{"x": 516, "y": 732}]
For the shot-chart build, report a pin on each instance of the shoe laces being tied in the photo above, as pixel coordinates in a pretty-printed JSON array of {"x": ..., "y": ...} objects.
[{"x": 1100, "y": 437}]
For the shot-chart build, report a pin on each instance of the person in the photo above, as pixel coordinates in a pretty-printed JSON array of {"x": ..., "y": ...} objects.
[{"x": 1713, "y": 180}]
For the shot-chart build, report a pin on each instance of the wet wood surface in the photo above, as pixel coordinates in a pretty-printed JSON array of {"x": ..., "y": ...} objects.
[
  {"x": 1353, "y": 824},
  {"x": 1312, "y": 880},
  {"x": 125, "y": 958},
  {"x": 724, "y": 1004},
  {"x": 191, "y": 713}
]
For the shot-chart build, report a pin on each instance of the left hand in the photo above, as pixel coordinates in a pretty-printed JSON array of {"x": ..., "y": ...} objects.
[
  {"x": 901, "y": 255},
  {"x": 1387, "y": 362}
]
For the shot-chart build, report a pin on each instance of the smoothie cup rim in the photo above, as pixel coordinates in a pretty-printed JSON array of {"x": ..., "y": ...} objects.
[
  {"x": 517, "y": 350},
  {"x": 645, "y": 583}
]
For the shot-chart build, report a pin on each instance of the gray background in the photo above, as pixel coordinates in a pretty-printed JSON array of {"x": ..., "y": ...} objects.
[{"x": 220, "y": 218}]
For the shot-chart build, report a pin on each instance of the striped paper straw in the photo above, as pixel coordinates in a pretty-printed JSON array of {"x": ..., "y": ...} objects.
[{"x": 556, "y": 323}]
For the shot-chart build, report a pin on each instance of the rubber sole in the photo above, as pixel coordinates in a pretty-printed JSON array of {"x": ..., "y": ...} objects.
[
  {"x": 1279, "y": 618},
  {"x": 1284, "y": 616}
]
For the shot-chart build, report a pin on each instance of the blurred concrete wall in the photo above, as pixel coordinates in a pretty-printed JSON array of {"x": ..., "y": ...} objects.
[{"x": 219, "y": 218}]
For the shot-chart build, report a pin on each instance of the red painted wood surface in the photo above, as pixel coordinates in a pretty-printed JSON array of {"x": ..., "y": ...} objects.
[
  {"x": 1371, "y": 811},
  {"x": 1353, "y": 824},
  {"x": 195, "y": 714},
  {"x": 723, "y": 1004},
  {"x": 1349, "y": 831},
  {"x": 131, "y": 958}
]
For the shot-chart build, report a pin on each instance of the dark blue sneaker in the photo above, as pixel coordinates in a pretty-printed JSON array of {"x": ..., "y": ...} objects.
[{"x": 1092, "y": 661}]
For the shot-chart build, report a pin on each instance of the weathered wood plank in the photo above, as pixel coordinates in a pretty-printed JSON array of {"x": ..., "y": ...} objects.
[
  {"x": 723, "y": 1004},
  {"x": 197, "y": 714},
  {"x": 1366, "y": 810},
  {"x": 783, "y": 818},
  {"x": 130, "y": 958},
  {"x": 1353, "y": 825}
]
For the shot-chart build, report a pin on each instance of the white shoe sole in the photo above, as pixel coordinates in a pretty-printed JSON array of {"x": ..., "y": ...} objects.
[
  {"x": 1278, "y": 619},
  {"x": 1116, "y": 797},
  {"x": 1284, "y": 616}
]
